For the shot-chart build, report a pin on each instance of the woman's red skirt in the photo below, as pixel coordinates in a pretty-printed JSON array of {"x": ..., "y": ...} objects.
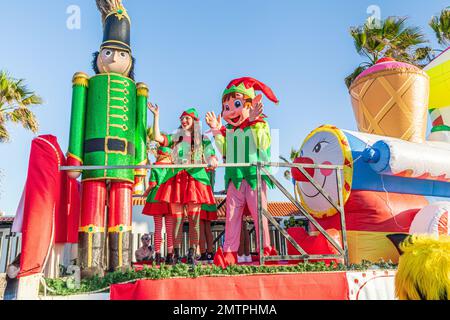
[
  {"x": 184, "y": 189},
  {"x": 156, "y": 209}
]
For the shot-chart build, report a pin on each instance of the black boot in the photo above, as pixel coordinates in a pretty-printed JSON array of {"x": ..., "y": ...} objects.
[
  {"x": 191, "y": 256},
  {"x": 158, "y": 258},
  {"x": 176, "y": 256},
  {"x": 203, "y": 257},
  {"x": 210, "y": 257},
  {"x": 169, "y": 259}
]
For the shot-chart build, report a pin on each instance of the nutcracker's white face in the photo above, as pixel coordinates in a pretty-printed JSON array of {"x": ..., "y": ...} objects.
[
  {"x": 322, "y": 148},
  {"x": 114, "y": 61}
]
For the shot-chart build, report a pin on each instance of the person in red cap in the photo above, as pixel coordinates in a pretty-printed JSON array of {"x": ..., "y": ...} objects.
[
  {"x": 245, "y": 139},
  {"x": 160, "y": 210},
  {"x": 186, "y": 189}
]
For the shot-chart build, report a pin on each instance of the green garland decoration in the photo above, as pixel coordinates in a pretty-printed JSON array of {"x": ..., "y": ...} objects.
[{"x": 63, "y": 287}]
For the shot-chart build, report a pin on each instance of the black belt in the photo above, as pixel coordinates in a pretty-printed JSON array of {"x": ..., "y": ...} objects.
[{"x": 112, "y": 145}]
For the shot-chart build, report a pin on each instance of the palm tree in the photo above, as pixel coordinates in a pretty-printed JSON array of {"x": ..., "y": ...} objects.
[
  {"x": 390, "y": 38},
  {"x": 294, "y": 155},
  {"x": 441, "y": 27},
  {"x": 15, "y": 103}
]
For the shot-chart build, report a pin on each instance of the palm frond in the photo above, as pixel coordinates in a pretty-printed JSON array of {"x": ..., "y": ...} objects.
[
  {"x": 4, "y": 135},
  {"x": 25, "y": 117},
  {"x": 294, "y": 154},
  {"x": 33, "y": 99},
  {"x": 351, "y": 77},
  {"x": 441, "y": 27},
  {"x": 15, "y": 100},
  {"x": 392, "y": 37}
]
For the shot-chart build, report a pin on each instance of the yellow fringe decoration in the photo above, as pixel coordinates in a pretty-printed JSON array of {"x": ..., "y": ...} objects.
[
  {"x": 142, "y": 89},
  {"x": 80, "y": 79},
  {"x": 424, "y": 269}
]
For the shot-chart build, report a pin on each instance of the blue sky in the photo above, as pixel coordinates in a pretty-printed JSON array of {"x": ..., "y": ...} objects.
[{"x": 187, "y": 52}]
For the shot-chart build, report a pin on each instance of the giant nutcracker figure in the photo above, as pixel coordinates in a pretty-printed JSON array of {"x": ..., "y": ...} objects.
[{"x": 108, "y": 128}]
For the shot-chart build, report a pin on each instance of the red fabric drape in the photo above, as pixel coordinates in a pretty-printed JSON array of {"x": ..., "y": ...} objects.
[
  {"x": 73, "y": 210},
  {"x": 306, "y": 286},
  {"x": 42, "y": 204}
]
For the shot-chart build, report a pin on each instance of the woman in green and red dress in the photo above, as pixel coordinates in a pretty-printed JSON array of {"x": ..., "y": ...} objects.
[
  {"x": 186, "y": 189},
  {"x": 160, "y": 210}
]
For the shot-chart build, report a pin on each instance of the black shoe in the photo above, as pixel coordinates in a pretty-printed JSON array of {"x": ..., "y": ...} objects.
[
  {"x": 210, "y": 257},
  {"x": 176, "y": 257},
  {"x": 158, "y": 258},
  {"x": 191, "y": 256},
  {"x": 169, "y": 259},
  {"x": 203, "y": 257}
]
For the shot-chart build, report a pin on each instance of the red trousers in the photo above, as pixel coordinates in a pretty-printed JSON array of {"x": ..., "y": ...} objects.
[{"x": 94, "y": 201}]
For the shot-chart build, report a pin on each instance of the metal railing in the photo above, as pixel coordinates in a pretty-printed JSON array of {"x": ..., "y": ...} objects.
[{"x": 261, "y": 169}]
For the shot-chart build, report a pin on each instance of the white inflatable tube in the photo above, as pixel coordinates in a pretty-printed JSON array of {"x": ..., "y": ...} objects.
[{"x": 425, "y": 161}]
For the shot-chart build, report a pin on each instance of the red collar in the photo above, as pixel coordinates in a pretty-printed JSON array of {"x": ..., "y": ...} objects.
[{"x": 162, "y": 163}]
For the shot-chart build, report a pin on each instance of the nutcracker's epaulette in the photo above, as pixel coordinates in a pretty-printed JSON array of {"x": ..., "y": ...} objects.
[
  {"x": 142, "y": 89},
  {"x": 80, "y": 79}
]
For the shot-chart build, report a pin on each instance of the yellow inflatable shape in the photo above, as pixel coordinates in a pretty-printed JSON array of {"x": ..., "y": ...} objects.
[
  {"x": 439, "y": 72},
  {"x": 424, "y": 269},
  {"x": 370, "y": 246}
]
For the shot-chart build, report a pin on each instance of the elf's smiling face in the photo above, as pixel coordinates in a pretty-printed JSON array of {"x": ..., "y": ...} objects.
[{"x": 236, "y": 109}]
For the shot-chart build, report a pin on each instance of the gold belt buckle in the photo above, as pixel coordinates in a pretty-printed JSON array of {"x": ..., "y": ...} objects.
[{"x": 122, "y": 152}]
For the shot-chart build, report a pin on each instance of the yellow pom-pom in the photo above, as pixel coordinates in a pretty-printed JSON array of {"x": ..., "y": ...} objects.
[{"x": 424, "y": 269}]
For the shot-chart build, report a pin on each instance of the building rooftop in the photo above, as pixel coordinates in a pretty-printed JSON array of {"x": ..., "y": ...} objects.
[
  {"x": 6, "y": 220},
  {"x": 276, "y": 208}
]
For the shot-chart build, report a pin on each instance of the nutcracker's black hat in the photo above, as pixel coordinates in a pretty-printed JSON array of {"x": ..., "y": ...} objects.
[{"x": 116, "y": 30}]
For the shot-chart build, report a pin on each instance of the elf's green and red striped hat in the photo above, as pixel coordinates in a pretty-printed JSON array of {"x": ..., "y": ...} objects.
[
  {"x": 192, "y": 112},
  {"x": 247, "y": 86}
]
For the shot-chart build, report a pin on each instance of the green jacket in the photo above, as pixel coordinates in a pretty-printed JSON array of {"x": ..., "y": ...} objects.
[
  {"x": 157, "y": 176},
  {"x": 182, "y": 154},
  {"x": 245, "y": 145},
  {"x": 108, "y": 125}
]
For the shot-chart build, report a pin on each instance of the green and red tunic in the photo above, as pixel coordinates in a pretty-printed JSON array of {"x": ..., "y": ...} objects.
[
  {"x": 187, "y": 186},
  {"x": 154, "y": 207},
  {"x": 208, "y": 212},
  {"x": 248, "y": 143}
]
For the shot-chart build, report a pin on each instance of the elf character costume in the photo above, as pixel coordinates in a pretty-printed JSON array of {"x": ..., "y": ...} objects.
[
  {"x": 160, "y": 210},
  {"x": 245, "y": 139},
  {"x": 108, "y": 128},
  {"x": 186, "y": 189}
]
